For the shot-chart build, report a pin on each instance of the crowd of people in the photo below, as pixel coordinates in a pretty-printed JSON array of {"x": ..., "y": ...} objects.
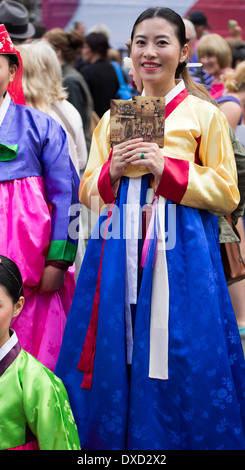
[{"x": 112, "y": 335}]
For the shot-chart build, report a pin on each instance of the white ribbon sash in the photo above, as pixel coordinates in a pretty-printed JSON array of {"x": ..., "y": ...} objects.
[{"x": 158, "y": 364}]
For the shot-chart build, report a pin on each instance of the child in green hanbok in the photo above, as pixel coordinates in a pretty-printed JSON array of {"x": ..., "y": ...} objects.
[{"x": 34, "y": 408}]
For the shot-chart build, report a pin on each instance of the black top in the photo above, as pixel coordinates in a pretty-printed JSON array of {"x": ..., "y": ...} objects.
[
  {"x": 103, "y": 84},
  {"x": 79, "y": 95}
]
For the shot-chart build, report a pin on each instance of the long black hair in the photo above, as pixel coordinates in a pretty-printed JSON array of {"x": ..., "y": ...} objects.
[{"x": 10, "y": 278}]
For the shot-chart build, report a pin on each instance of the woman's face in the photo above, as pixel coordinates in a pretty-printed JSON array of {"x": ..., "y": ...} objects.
[
  {"x": 87, "y": 52},
  {"x": 6, "y": 75},
  {"x": 210, "y": 64},
  {"x": 156, "y": 51},
  {"x": 8, "y": 310},
  {"x": 6, "y": 314}
]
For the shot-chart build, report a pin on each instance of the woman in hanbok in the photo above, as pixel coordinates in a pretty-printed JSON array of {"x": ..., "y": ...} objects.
[
  {"x": 151, "y": 355},
  {"x": 38, "y": 186},
  {"x": 34, "y": 407}
]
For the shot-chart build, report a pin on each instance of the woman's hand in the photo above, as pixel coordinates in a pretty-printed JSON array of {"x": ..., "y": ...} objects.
[
  {"x": 118, "y": 161},
  {"x": 153, "y": 158},
  {"x": 52, "y": 280}
]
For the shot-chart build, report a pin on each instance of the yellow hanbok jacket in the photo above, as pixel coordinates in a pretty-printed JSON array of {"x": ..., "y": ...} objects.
[{"x": 200, "y": 168}]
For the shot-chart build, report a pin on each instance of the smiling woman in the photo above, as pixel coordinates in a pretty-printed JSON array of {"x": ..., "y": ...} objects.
[
  {"x": 156, "y": 53},
  {"x": 151, "y": 331},
  {"x": 214, "y": 53}
]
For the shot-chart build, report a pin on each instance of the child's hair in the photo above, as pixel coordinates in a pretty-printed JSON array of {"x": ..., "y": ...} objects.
[
  {"x": 10, "y": 278},
  {"x": 12, "y": 59}
]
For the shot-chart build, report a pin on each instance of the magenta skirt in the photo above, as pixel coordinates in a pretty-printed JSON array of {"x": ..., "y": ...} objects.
[{"x": 25, "y": 227}]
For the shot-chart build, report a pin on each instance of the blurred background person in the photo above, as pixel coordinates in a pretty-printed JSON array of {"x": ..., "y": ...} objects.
[
  {"x": 196, "y": 69},
  {"x": 67, "y": 47},
  {"x": 238, "y": 54},
  {"x": 232, "y": 103},
  {"x": 235, "y": 30},
  {"x": 99, "y": 72},
  {"x": 200, "y": 22},
  {"x": 16, "y": 17},
  {"x": 79, "y": 26},
  {"x": 214, "y": 53}
]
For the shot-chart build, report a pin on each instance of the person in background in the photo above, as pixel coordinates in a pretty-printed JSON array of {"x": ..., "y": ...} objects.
[
  {"x": 79, "y": 62},
  {"x": 214, "y": 53},
  {"x": 232, "y": 104},
  {"x": 197, "y": 72},
  {"x": 40, "y": 30},
  {"x": 67, "y": 47},
  {"x": 16, "y": 16},
  {"x": 35, "y": 413},
  {"x": 151, "y": 332},
  {"x": 238, "y": 55},
  {"x": 235, "y": 30},
  {"x": 99, "y": 73},
  {"x": 79, "y": 26},
  {"x": 200, "y": 22},
  {"x": 41, "y": 68}
]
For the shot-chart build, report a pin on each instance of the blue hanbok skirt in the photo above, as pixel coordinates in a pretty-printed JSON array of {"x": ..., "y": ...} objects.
[{"x": 202, "y": 403}]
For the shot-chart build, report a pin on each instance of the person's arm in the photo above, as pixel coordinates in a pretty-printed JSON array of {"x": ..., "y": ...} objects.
[
  {"x": 232, "y": 111},
  {"x": 61, "y": 187},
  {"x": 210, "y": 185}
]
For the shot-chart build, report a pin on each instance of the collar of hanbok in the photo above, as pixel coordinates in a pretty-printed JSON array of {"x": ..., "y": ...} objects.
[
  {"x": 7, "y": 152},
  {"x": 10, "y": 343},
  {"x": 179, "y": 87},
  {"x": 9, "y": 351},
  {"x": 4, "y": 107}
]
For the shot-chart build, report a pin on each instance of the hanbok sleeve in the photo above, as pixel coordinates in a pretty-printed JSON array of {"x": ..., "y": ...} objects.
[
  {"x": 61, "y": 185},
  {"x": 95, "y": 182},
  {"x": 211, "y": 181},
  {"x": 47, "y": 409}
]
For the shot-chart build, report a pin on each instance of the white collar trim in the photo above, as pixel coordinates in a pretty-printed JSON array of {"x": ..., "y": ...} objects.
[
  {"x": 10, "y": 343},
  {"x": 180, "y": 86},
  {"x": 4, "y": 107}
]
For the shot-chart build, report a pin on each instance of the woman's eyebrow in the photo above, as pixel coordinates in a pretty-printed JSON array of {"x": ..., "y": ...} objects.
[{"x": 157, "y": 37}]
